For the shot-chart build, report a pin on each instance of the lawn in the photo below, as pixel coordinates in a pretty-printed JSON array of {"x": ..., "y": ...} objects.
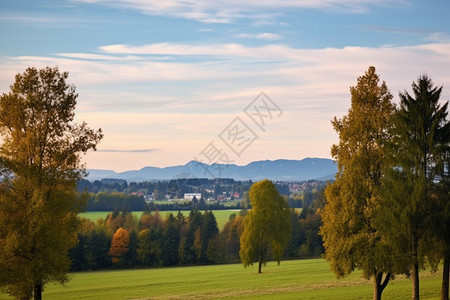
[
  {"x": 222, "y": 216},
  {"x": 299, "y": 279}
]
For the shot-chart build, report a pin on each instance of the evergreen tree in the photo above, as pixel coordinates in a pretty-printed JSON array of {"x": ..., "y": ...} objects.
[
  {"x": 420, "y": 138},
  {"x": 209, "y": 232},
  {"x": 171, "y": 241}
]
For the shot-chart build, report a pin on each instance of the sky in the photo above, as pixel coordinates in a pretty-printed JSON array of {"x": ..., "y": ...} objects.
[{"x": 221, "y": 81}]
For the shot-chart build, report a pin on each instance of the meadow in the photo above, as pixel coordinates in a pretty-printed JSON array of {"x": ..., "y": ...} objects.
[
  {"x": 222, "y": 216},
  {"x": 296, "y": 279}
]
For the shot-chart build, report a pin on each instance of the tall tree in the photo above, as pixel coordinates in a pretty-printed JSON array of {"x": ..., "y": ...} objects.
[
  {"x": 444, "y": 224},
  {"x": 267, "y": 225},
  {"x": 119, "y": 246},
  {"x": 420, "y": 137},
  {"x": 209, "y": 232},
  {"x": 171, "y": 241},
  {"x": 40, "y": 166},
  {"x": 351, "y": 237}
]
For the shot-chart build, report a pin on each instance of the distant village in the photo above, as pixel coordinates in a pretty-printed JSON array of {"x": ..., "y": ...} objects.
[{"x": 219, "y": 190}]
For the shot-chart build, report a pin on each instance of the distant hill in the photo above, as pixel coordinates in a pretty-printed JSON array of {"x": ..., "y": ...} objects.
[{"x": 278, "y": 170}]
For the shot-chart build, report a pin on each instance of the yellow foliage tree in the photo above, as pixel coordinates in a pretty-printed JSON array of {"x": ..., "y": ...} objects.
[
  {"x": 351, "y": 237},
  {"x": 119, "y": 245},
  {"x": 266, "y": 225},
  {"x": 39, "y": 170}
]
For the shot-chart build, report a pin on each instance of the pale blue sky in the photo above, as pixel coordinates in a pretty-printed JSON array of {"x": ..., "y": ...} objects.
[{"x": 164, "y": 79}]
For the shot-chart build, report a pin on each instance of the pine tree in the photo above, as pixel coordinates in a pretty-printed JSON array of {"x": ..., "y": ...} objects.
[{"x": 420, "y": 138}]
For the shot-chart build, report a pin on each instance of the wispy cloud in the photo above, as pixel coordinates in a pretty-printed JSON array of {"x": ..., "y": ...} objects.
[
  {"x": 185, "y": 102},
  {"x": 226, "y": 11},
  {"x": 128, "y": 151},
  {"x": 260, "y": 36},
  {"x": 234, "y": 65},
  {"x": 24, "y": 18}
]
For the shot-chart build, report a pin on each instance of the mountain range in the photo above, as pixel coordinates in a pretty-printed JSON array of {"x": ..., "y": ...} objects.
[{"x": 277, "y": 170}]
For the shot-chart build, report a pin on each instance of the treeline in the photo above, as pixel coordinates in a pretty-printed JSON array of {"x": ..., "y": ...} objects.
[
  {"x": 121, "y": 240},
  {"x": 129, "y": 202},
  {"x": 115, "y": 202}
]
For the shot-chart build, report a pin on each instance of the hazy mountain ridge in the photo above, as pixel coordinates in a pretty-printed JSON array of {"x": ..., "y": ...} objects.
[{"x": 278, "y": 170}]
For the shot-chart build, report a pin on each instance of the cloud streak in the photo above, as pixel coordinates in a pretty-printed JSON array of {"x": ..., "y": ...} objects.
[
  {"x": 128, "y": 151},
  {"x": 260, "y": 36},
  {"x": 207, "y": 11}
]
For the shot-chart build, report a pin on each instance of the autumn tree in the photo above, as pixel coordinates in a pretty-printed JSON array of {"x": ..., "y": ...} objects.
[
  {"x": 420, "y": 139},
  {"x": 40, "y": 167},
  {"x": 119, "y": 245},
  {"x": 266, "y": 226},
  {"x": 351, "y": 237}
]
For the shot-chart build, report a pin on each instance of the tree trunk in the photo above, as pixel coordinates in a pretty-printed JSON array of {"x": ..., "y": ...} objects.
[
  {"x": 260, "y": 264},
  {"x": 378, "y": 286},
  {"x": 415, "y": 280},
  {"x": 415, "y": 266},
  {"x": 445, "y": 277},
  {"x": 38, "y": 291}
]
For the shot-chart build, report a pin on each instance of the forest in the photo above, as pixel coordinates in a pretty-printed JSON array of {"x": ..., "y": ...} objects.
[{"x": 124, "y": 241}]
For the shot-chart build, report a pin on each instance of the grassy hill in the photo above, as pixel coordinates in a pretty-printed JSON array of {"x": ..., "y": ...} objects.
[{"x": 300, "y": 279}]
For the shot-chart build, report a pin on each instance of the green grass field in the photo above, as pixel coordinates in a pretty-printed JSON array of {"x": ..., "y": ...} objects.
[
  {"x": 299, "y": 279},
  {"x": 222, "y": 216}
]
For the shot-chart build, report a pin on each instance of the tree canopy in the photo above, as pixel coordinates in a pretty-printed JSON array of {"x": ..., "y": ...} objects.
[
  {"x": 266, "y": 226},
  {"x": 40, "y": 166},
  {"x": 351, "y": 237}
]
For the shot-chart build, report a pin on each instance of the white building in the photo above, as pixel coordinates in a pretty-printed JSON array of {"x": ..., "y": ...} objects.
[{"x": 190, "y": 196}]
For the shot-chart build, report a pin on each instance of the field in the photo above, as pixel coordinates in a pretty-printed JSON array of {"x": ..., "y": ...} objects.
[
  {"x": 222, "y": 216},
  {"x": 299, "y": 279}
]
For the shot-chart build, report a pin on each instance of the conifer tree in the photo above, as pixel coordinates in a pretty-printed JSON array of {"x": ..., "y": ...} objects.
[{"x": 420, "y": 139}]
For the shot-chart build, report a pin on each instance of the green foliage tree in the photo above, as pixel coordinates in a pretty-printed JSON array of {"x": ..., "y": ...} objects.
[
  {"x": 245, "y": 202},
  {"x": 267, "y": 225},
  {"x": 97, "y": 248},
  {"x": 40, "y": 166},
  {"x": 209, "y": 232},
  {"x": 311, "y": 243},
  {"x": 420, "y": 139},
  {"x": 442, "y": 227},
  {"x": 351, "y": 237},
  {"x": 171, "y": 241},
  {"x": 144, "y": 250}
]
